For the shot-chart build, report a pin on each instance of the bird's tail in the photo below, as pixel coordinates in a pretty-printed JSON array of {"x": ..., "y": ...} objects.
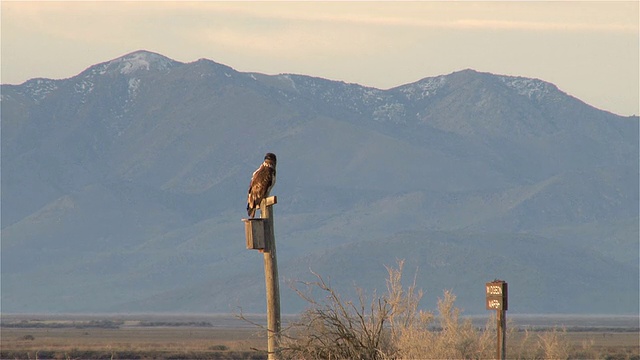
[{"x": 251, "y": 211}]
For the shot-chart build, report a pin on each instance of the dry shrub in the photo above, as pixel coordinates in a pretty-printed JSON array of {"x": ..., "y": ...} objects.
[
  {"x": 337, "y": 329},
  {"x": 520, "y": 349},
  {"x": 455, "y": 339},
  {"x": 390, "y": 326},
  {"x": 548, "y": 344},
  {"x": 553, "y": 345}
]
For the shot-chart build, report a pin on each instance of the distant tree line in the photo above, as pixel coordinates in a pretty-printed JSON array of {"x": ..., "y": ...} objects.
[{"x": 103, "y": 324}]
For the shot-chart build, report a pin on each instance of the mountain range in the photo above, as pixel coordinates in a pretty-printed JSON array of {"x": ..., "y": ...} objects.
[{"x": 123, "y": 190}]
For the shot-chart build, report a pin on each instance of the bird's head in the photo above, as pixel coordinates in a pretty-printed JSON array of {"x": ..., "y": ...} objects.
[{"x": 270, "y": 157}]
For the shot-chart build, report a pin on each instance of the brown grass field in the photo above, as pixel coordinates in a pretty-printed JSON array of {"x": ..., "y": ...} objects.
[
  {"x": 132, "y": 343},
  {"x": 606, "y": 345},
  {"x": 128, "y": 337}
]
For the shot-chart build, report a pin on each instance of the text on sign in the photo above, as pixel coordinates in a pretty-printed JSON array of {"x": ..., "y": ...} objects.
[
  {"x": 494, "y": 304},
  {"x": 494, "y": 290}
]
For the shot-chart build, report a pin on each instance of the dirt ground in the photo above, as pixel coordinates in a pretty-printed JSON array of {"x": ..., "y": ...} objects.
[
  {"x": 123, "y": 343},
  {"x": 216, "y": 338}
]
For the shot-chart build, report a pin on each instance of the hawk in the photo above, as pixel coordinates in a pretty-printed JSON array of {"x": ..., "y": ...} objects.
[{"x": 262, "y": 182}]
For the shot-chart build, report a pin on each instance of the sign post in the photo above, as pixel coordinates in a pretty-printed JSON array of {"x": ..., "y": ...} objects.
[{"x": 497, "y": 299}]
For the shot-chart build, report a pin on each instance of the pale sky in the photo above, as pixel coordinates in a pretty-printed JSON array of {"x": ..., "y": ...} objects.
[{"x": 588, "y": 49}]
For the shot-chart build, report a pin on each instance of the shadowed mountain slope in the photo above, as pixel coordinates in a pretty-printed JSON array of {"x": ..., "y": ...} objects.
[{"x": 123, "y": 188}]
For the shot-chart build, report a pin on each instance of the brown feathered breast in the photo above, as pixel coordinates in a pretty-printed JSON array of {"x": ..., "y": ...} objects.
[{"x": 261, "y": 184}]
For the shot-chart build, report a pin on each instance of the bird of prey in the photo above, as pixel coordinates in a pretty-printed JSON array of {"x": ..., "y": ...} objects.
[{"x": 261, "y": 184}]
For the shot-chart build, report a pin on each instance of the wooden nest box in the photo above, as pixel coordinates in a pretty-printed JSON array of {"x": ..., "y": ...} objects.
[
  {"x": 259, "y": 231},
  {"x": 256, "y": 232}
]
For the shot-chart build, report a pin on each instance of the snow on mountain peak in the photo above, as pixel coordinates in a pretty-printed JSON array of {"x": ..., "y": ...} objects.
[
  {"x": 133, "y": 62},
  {"x": 532, "y": 88},
  {"x": 39, "y": 88},
  {"x": 423, "y": 88},
  {"x": 142, "y": 60}
]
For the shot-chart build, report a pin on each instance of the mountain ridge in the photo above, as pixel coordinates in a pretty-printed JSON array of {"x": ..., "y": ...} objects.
[{"x": 128, "y": 186}]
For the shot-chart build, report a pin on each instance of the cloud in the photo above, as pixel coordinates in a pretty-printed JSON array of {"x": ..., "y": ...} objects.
[
  {"x": 541, "y": 26},
  {"x": 590, "y": 17},
  {"x": 218, "y": 21},
  {"x": 290, "y": 41}
]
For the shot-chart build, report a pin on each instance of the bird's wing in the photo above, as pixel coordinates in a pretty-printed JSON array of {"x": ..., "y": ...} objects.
[{"x": 261, "y": 183}]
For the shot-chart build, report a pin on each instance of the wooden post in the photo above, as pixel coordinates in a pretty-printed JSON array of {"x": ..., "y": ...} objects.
[
  {"x": 502, "y": 335},
  {"x": 498, "y": 299},
  {"x": 271, "y": 279}
]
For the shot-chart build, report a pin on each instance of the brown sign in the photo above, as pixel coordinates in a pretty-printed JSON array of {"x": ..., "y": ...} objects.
[{"x": 496, "y": 295}]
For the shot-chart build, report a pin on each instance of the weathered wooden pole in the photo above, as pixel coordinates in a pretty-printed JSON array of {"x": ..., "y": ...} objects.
[
  {"x": 501, "y": 353},
  {"x": 271, "y": 279},
  {"x": 260, "y": 236},
  {"x": 497, "y": 299}
]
